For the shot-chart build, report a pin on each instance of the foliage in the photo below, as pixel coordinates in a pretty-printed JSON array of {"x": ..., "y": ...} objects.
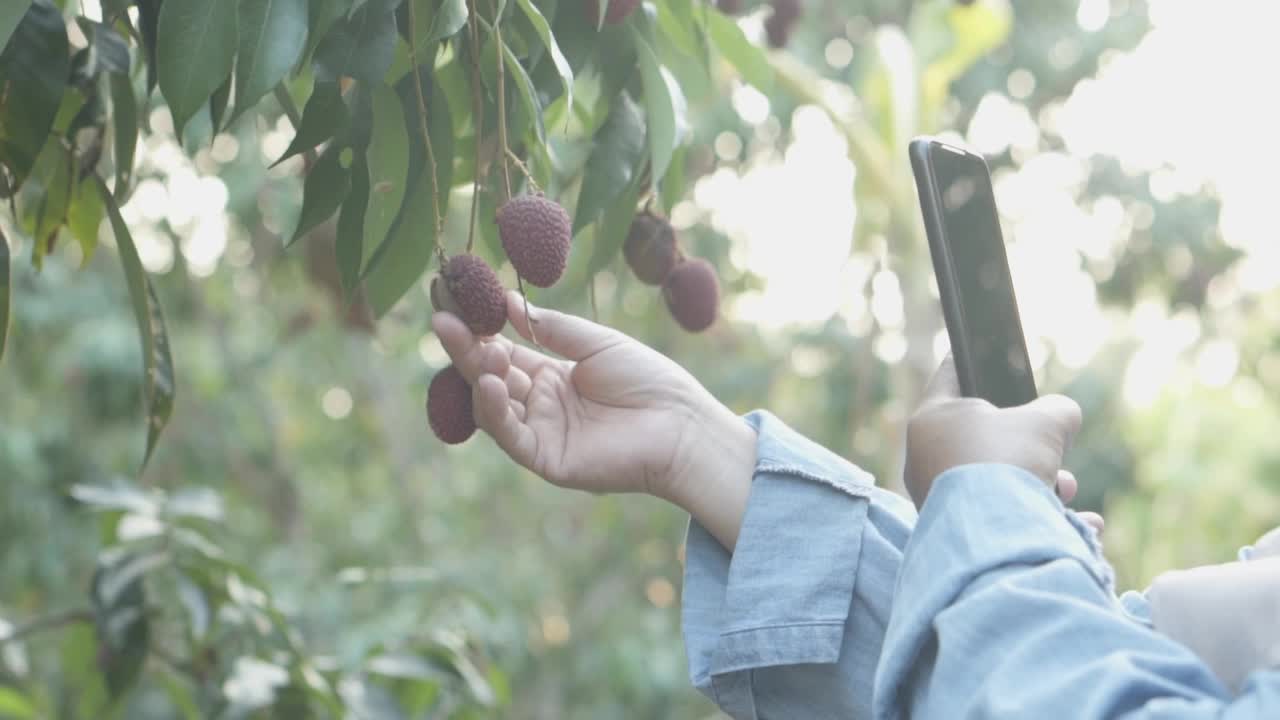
[{"x": 264, "y": 558}]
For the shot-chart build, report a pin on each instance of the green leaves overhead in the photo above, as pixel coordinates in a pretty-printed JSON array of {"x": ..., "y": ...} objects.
[
  {"x": 325, "y": 116},
  {"x": 615, "y": 160},
  {"x": 195, "y": 52},
  {"x": 323, "y": 191},
  {"x": 33, "y": 72},
  {"x": 747, "y": 58},
  {"x": 543, "y": 29},
  {"x": 449, "y": 19},
  {"x": 273, "y": 34},
  {"x": 5, "y": 283},
  {"x": 158, "y": 380},
  {"x": 664, "y": 108},
  {"x": 361, "y": 47},
  {"x": 124, "y": 120},
  {"x": 388, "y": 160},
  {"x": 10, "y": 15}
]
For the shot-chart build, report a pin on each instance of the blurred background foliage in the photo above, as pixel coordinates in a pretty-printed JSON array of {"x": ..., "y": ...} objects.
[{"x": 300, "y": 545}]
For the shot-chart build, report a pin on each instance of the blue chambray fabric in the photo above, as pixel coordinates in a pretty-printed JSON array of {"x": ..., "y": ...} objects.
[{"x": 838, "y": 603}]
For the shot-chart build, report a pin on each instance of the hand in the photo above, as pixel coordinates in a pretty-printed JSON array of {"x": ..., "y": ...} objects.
[
  {"x": 948, "y": 431},
  {"x": 614, "y": 416}
]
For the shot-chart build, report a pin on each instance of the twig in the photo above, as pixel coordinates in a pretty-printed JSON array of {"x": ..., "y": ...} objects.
[
  {"x": 528, "y": 319},
  {"x": 524, "y": 170},
  {"x": 422, "y": 120},
  {"x": 48, "y": 622},
  {"x": 502, "y": 100},
  {"x": 477, "y": 115},
  {"x": 591, "y": 294}
]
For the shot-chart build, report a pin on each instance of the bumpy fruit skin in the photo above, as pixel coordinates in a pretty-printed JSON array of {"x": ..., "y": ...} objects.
[
  {"x": 449, "y": 407},
  {"x": 617, "y": 12},
  {"x": 535, "y": 232},
  {"x": 692, "y": 293},
  {"x": 650, "y": 248},
  {"x": 479, "y": 294}
]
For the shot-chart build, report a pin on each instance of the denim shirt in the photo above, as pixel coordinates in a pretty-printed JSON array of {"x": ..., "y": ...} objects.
[{"x": 838, "y": 602}]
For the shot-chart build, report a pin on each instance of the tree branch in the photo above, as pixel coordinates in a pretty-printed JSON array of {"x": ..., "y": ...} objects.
[{"x": 52, "y": 621}]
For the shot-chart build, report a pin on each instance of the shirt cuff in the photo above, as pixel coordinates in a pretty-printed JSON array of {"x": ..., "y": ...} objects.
[
  {"x": 978, "y": 518},
  {"x": 783, "y": 596}
]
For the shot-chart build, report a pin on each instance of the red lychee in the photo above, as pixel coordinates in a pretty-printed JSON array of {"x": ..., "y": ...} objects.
[
  {"x": 478, "y": 293},
  {"x": 535, "y": 232},
  {"x": 650, "y": 248},
  {"x": 449, "y": 407},
  {"x": 692, "y": 293}
]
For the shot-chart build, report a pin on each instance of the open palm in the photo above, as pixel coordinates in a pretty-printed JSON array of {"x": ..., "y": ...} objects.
[{"x": 612, "y": 416}]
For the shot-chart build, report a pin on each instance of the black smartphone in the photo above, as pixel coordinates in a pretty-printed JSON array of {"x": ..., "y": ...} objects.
[{"x": 969, "y": 261}]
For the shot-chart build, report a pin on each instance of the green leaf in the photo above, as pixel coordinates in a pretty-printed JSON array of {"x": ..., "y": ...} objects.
[
  {"x": 321, "y": 15},
  {"x": 13, "y": 705},
  {"x": 664, "y": 107},
  {"x": 107, "y": 51},
  {"x": 350, "y": 241},
  {"x": 124, "y": 116},
  {"x": 115, "y": 497},
  {"x": 361, "y": 47},
  {"x": 158, "y": 384},
  {"x": 613, "y": 229},
  {"x": 326, "y": 186},
  {"x": 34, "y": 67},
  {"x": 195, "y": 502},
  {"x": 180, "y": 695},
  {"x": 149, "y": 28},
  {"x": 84, "y": 217},
  {"x": 676, "y": 183},
  {"x": 273, "y": 34},
  {"x": 543, "y": 28},
  {"x": 746, "y": 57},
  {"x": 449, "y": 19},
  {"x": 124, "y": 634},
  {"x": 325, "y": 116},
  {"x": 218, "y": 105},
  {"x": 5, "y": 283},
  {"x": 113, "y": 583},
  {"x": 615, "y": 160},
  {"x": 678, "y": 23},
  {"x": 388, "y": 159},
  {"x": 196, "y": 603},
  {"x": 196, "y": 49},
  {"x": 44, "y": 199},
  {"x": 407, "y": 252},
  {"x": 10, "y": 16},
  {"x": 530, "y": 108}
]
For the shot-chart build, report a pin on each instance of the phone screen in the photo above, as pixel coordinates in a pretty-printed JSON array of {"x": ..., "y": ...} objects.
[{"x": 997, "y": 351}]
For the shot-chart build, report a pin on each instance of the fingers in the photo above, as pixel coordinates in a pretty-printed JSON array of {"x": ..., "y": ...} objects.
[
  {"x": 569, "y": 336},
  {"x": 945, "y": 383},
  {"x": 495, "y": 415},
  {"x": 465, "y": 349},
  {"x": 1093, "y": 520},
  {"x": 497, "y": 361},
  {"x": 1067, "y": 486}
]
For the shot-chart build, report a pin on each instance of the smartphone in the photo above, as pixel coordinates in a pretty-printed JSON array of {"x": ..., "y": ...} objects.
[{"x": 969, "y": 261}]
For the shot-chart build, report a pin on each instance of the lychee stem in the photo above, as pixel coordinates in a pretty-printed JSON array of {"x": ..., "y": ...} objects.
[
  {"x": 422, "y": 122},
  {"x": 524, "y": 170},
  {"x": 528, "y": 319},
  {"x": 477, "y": 115}
]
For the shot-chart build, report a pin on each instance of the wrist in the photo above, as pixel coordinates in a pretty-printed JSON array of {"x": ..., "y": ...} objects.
[{"x": 712, "y": 471}]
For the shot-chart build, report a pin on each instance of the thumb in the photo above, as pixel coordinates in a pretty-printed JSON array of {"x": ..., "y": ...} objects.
[
  {"x": 1058, "y": 414},
  {"x": 569, "y": 336},
  {"x": 945, "y": 383}
]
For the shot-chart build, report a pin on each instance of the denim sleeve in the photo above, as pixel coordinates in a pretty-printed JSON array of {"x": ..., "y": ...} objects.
[
  {"x": 790, "y": 624},
  {"x": 1005, "y": 609}
]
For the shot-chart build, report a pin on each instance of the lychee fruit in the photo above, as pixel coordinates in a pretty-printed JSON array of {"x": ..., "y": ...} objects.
[
  {"x": 692, "y": 293},
  {"x": 780, "y": 23},
  {"x": 449, "y": 407},
  {"x": 535, "y": 232},
  {"x": 477, "y": 292},
  {"x": 441, "y": 299},
  {"x": 617, "y": 12},
  {"x": 650, "y": 248}
]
